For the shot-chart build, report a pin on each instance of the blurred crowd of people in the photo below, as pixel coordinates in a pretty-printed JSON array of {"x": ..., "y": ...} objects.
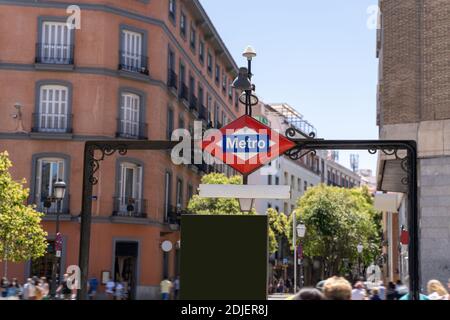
[
  {"x": 35, "y": 288},
  {"x": 338, "y": 288}
]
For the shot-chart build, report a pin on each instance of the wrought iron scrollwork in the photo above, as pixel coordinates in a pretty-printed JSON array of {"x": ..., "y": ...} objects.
[
  {"x": 105, "y": 150},
  {"x": 296, "y": 153},
  {"x": 404, "y": 160},
  {"x": 291, "y": 132}
]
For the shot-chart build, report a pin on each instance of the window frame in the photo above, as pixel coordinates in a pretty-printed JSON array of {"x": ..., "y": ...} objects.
[
  {"x": 37, "y": 110},
  {"x": 56, "y": 19},
  {"x": 142, "y": 112},
  {"x": 34, "y": 176}
]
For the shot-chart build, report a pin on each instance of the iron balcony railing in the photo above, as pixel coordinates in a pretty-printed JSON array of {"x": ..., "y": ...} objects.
[
  {"x": 52, "y": 53},
  {"x": 184, "y": 91},
  {"x": 172, "y": 80},
  {"x": 132, "y": 130},
  {"x": 52, "y": 122},
  {"x": 129, "y": 207},
  {"x": 132, "y": 62},
  {"x": 174, "y": 215},
  {"x": 203, "y": 112},
  {"x": 193, "y": 101}
]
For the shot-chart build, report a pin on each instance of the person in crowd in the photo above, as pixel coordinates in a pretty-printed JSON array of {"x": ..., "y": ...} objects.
[
  {"x": 14, "y": 289},
  {"x": 63, "y": 290},
  {"x": 436, "y": 290},
  {"x": 337, "y": 288},
  {"x": 401, "y": 288},
  {"x": 29, "y": 290},
  {"x": 4, "y": 287},
  {"x": 92, "y": 287},
  {"x": 309, "y": 294},
  {"x": 382, "y": 290},
  {"x": 375, "y": 294},
  {"x": 43, "y": 288},
  {"x": 120, "y": 291},
  {"x": 359, "y": 293},
  {"x": 280, "y": 286},
  {"x": 391, "y": 293},
  {"x": 176, "y": 286},
  {"x": 319, "y": 285},
  {"x": 166, "y": 286},
  {"x": 110, "y": 286}
]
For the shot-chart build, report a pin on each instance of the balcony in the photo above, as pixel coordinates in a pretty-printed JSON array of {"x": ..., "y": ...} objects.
[
  {"x": 174, "y": 217},
  {"x": 58, "y": 54},
  {"x": 172, "y": 81},
  {"x": 133, "y": 63},
  {"x": 52, "y": 123},
  {"x": 129, "y": 207},
  {"x": 193, "y": 103},
  {"x": 184, "y": 92},
  {"x": 132, "y": 130},
  {"x": 52, "y": 209},
  {"x": 203, "y": 112}
]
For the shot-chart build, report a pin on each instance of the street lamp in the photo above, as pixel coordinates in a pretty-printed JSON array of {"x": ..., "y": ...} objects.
[
  {"x": 360, "y": 248},
  {"x": 58, "y": 195},
  {"x": 301, "y": 230},
  {"x": 297, "y": 230}
]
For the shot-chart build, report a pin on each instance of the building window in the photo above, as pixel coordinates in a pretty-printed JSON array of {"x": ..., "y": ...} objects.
[
  {"x": 181, "y": 124},
  {"x": 269, "y": 206},
  {"x": 292, "y": 182},
  {"x": 179, "y": 197},
  {"x": 172, "y": 9},
  {"x": 190, "y": 192},
  {"x": 48, "y": 171},
  {"x": 132, "y": 52},
  {"x": 170, "y": 120},
  {"x": 277, "y": 181},
  {"x": 167, "y": 193},
  {"x": 209, "y": 63},
  {"x": 217, "y": 74},
  {"x": 53, "y": 109},
  {"x": 230, "y": 90},
  {"x": 305, "y": 188},
  {"x": 130, "y": 122},
  {"x": 193, "y": 38},
  {"x": 183, "y": 25},
  {"x": 299, "y": 184},
  {"x": 269, "y": 179},
  {"x": 201, "y": 51},
  {"x": 56, "y": 43},
  {"x": 224, "y": 82},
  {"x": 236, "y": 100},
  {"x": 128, "y": 201}
]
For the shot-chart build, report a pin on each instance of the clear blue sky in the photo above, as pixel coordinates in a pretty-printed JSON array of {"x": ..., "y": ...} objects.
[{"x": 318, "y": 56}]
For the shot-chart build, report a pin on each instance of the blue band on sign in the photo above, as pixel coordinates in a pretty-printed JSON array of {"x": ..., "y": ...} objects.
[{"x": 246, "y": 143}]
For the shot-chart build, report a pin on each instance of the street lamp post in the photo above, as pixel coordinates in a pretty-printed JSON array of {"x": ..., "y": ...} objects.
[
  {"x": 297, "y": 230},
  {"x": 360, "y": 248},
  {"x": 301, "y": 230},
  {"x": 58, "y": 195},
  {"x": 244, "y": 83}
]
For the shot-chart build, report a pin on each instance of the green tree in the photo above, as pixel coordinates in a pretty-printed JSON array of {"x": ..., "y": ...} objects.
[
  {"x": 21, "y": 234},
  {"x": 336, "y": 220},
  {"x": 204, "y": 206},
  {"x": 278, "y": 228}
]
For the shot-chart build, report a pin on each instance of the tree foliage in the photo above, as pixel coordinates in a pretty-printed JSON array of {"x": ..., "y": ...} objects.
[
  {"x": 21, "y": 234},
  {"x": 337, "y": 220}
]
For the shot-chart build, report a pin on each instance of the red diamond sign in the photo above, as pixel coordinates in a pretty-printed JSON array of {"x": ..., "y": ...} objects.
[{"x": 246, "y": 144}]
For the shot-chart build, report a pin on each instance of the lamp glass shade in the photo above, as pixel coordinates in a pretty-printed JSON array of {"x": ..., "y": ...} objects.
[
  {"x": 301, "y": 230},
  {"x": 242, "y": 82},
  {"x": 360, "y": 248},
  {"x": 249, "y": 53},
  {"x": 59, "y": 190},
  {"x": 246, "y": 205}
]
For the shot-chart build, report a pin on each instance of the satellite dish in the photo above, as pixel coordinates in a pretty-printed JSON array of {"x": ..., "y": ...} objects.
[
  {"x": 166, "y": 246},
  {"x": 373, "y": 276}
]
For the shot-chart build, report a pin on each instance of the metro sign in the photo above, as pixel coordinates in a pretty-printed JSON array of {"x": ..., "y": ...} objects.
[{"x": 246, "y": 145}]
